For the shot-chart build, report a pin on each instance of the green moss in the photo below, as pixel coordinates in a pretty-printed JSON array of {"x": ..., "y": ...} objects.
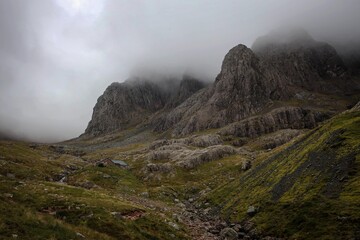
[{"x": 303, "y": 190}]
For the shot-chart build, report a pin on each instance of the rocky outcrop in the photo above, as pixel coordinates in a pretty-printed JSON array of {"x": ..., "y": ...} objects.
[
  {"x": 201, "y": 156},
  {"x": 186, "y": 157},
  {"x": 277, "y": 138},
  {"x": 186, "y": 152},
  {"x": 206, "y": 140},
  {"x": 280, "y": 118}
]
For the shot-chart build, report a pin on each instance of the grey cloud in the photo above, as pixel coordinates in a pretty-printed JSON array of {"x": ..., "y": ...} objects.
[{"x": 54, "y": 63}]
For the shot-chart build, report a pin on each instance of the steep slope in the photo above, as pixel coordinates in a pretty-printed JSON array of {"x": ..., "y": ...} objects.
[
  {"x": 127, "y": 104},
  {"x": 249, "y": 82},
  {"x": 282, "y": 71},
  {"x": 296, "y": 59},
  {"x": 308, "y": 190},
  {"x": 238, "y": 91},
  {"x": 188, "y": 86}
]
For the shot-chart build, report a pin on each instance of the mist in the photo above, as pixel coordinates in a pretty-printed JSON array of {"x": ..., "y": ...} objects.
[{"x": 58, "y": 56}]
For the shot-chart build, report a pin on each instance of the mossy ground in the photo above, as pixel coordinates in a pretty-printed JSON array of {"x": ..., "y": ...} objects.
[
  {"x": 308, "y": 188},
  {"x": 34, "y": 207}
]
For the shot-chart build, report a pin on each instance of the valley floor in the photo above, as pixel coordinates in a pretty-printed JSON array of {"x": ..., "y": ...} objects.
[{"x": 201, "y": 187}]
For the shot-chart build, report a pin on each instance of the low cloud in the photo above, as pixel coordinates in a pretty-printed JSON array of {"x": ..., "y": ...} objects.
[{"x": 57, "y": 57}]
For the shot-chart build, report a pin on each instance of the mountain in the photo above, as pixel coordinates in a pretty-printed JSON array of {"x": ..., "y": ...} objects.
[
  {"x": 250, "y": 81},
  {"x": 130, "y": 103},
  {"x": 269, "y": 150},
  {"x": 296, "y": 59},
  {"x": 279, "y": 68}
]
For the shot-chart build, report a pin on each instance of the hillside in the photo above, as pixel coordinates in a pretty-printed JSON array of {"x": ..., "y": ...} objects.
[
  {"x": 294, "y": 72},
  {"x": 307, "y": 188},
  {"x": 269, "y": 150}
]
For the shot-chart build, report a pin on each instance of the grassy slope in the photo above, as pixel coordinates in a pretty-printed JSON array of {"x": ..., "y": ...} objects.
[
  {"x": 311, "y": 189},
  {"x": 34, "y": 208},
  {"x": 306, "y": 189}
]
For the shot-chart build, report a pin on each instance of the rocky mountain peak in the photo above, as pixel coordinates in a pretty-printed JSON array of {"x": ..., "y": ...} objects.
[
  {"x": 280, "y": 66},
  {"x": 294, "y": 58},
  {"x": 187, "y": 87},
  {"x": 125, "y": 104},
  {"x": 240, "y": 76},
  {"x": 280, "y": 37},
  {"x": 132, "y": 102}
]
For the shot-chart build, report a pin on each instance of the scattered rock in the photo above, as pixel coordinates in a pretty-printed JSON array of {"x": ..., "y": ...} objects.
[
  {"x": 228, "y": 234},
  {"x": 246, "y": 165},
  {"x": 10, "y": 175},
  {"x": 8, "y": 195},
  {"x": 241, "y": 235},
  {"x": 180, "y": 205},
  {"x": 161, "y": 167},
  {"x": 238, "y": 228},
  {"x": 133, "y": 215},
  {"x": 118, "y": 215},
  {"x": 144, "y": 194},
  {"x": 63, "y": 180},
  {"x": 174, "y": 225},
  {"x": 33, "y": 146},
  {"x": 88, "y": 185},
  {"x": 80, "y": 235},
  {"x": 251, "y": 211},
  {"x": 248, "y": 226}
]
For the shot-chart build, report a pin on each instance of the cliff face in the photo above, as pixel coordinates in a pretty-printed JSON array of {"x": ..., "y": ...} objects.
[
  {"x": 249, "y": 81},
  {"x": 279, "y": 68},
  {"x": 187, "y": 87},
  {"x": 298, "y": 60},
  {"x": 238, "y": 91},
  {"x": 123, "y": 105},
  {"x": 277, "y": 119},
  {"x": 130, "y": 103}
]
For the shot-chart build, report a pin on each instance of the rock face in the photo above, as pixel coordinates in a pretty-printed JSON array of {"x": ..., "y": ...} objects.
[
  {"x": 249, "y": 81},
  {"x": 188, "y": 86},
  {"x": 280, "y": 118},
  {"x": 127, "y": 104},
  {"x": 238, "y": 91},
  {"x": 279, "y": 68},
  {"x": 294, "y": 58}
]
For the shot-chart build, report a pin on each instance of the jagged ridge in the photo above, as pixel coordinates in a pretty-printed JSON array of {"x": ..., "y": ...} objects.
[{"x": 249, "y": 83}]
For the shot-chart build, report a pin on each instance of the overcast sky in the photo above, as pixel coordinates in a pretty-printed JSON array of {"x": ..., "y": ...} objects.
[{"x": 58, "y": 56}]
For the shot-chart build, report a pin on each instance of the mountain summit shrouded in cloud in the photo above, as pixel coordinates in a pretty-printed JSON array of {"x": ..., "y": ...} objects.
[{"x": 57, "y": 56}]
